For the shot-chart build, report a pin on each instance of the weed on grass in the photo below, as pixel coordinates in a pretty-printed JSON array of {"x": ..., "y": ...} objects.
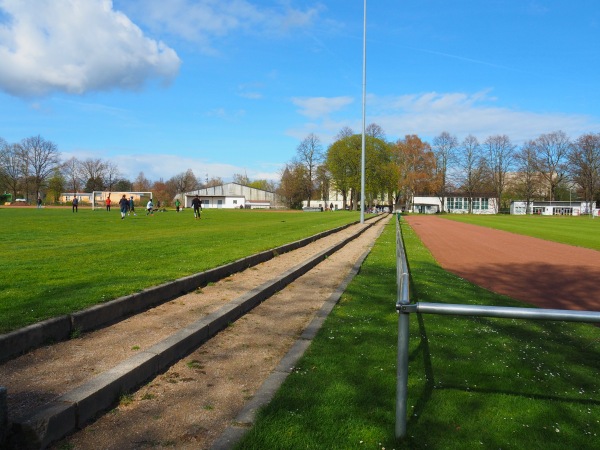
[
  {"x": 126, "y": 399},
  {"x": 195, "y": 364}
]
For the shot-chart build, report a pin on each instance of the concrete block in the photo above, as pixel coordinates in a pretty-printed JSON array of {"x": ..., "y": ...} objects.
[
  {"x": 103, "y": 391},
  {"x": 99, "y": 315},
  {"x": 54, "y": 422},
  {"x": 3, "y": 417},
  {"x": 262, "y": 397},
  {"x": 176, "y": 346},
  {"x": 289, "y": 361},
  {"x": 229, "y": 438},
  {"x": 33, "y": 336}
]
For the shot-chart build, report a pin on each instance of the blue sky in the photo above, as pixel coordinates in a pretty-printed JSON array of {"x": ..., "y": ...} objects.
[{"x": 233, "y": 86}]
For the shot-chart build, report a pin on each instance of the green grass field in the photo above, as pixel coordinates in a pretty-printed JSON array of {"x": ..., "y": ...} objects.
[
  {"x": 55, "y": 262},
  {"x": 473, "y": 382},
  {"x": 581, "y": 231}
]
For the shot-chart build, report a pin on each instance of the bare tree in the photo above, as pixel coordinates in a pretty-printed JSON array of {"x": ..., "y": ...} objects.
[
  {"x": 472, "y": 168},
  {"x": 528, "y": 181},
  {"x": 344, "y": 133},
  {"x": 241, "y": 179},
  {"x": 375, "y": 131},
  {"x": 214, "y": 181},
  {"x": 552, "y": 152},
  {"x": 310, "y": 154},
  {"x": 141, "y": 183},
  {"x": 93, "y": 172},
  {"x": 111, "y": 175},
  {"x": 499, "y": 160},
  {"x": 72, "y": 171},
  {"x": 11, "y": 167},
  {"x": 444, "y": 148},
  {"x": 584, "y": 163},
  {"x": 183, "y": 182},
  {"x": 42, "y": 157}
]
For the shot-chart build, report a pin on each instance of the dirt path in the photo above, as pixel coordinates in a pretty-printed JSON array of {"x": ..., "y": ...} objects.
[
  {"x": 192, "y": 403},
  {"x": 539, "y": 272}
]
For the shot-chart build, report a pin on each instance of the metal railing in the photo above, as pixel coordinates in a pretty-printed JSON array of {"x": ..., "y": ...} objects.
[{"x": 404, "y": 308}]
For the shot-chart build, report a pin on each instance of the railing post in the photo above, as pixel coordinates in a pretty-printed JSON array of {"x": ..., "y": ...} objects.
[
  {"x": 402, "y": 281},
  {"x": 402, "y": 374}
]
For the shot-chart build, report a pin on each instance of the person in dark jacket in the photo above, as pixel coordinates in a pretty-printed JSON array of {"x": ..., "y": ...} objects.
[
  {"x": 197, "y": 204},
  {"x": 124, "y": 205}
]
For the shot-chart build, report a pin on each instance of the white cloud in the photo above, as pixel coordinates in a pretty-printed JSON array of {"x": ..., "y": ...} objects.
[
  {"x": 76, "y": 46},
  {"x": 319, "y": 107},
  {"x": 428, "y": 114},
  {"x": 461, "y": 114},
  {"x": 203, "y": 21}
]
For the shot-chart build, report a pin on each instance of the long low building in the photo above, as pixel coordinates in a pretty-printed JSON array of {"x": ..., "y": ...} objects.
[
  {"x": 231, "y": 196},
  {"x": 455, "y": 204},
  {"x": 554, "y": 208}
]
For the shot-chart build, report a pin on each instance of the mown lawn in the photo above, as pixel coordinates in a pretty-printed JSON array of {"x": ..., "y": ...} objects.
[
  {"x": 581, "y": 231},
  {"x": 55, "y": 262},
  {"x": 473, "y": 382}
]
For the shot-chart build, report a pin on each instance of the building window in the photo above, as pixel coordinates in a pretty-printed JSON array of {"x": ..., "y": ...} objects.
[
  {"x": 457, "y": 203},
  {"x": 480, "y": 203},
  {"x": 235, "y": 202}
]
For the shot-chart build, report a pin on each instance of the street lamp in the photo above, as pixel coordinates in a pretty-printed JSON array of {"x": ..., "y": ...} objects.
[{"x": 364, "y": 101}]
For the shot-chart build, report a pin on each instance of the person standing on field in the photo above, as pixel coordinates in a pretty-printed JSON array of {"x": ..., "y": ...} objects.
[
  {"x": 124, "y": 205},
  {"x": 197, "y": 204},
  {"x": 75, "y": 204},
  {"x": 108, "y": 204},
  {"x": 131, "y": 207},
  {"x": 177, "y": 205},
  {"x": 150, "y": 207}
]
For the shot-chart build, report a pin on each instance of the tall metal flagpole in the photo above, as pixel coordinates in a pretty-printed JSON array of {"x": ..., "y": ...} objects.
[{"x": 364, "y": 101}]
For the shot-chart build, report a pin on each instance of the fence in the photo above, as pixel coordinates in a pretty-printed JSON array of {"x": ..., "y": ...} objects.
[{"x": 404, "y": 308}]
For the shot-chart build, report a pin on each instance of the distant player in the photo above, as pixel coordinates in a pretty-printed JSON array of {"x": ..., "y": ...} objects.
[{"x": 197, "y": 204}]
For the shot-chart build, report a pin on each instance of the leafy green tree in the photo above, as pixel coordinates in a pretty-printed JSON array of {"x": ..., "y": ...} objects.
[
  {"x": 344, "y": 164},
  {"x": 56, "y": 186},
  {"x": 123, "y": 185},
  {"x": 264, "y": 185}
]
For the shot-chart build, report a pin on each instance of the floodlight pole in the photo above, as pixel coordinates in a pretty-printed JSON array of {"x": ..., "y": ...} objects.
[{"x": 364, "y": 101}]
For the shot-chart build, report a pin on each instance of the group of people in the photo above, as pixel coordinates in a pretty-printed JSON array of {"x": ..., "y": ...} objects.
[{"x": 125, "y": 205}]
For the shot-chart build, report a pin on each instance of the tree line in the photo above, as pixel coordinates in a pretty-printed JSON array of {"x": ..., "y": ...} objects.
[
  {"x": 32, "y": 168},
  {"x": 550, "y": 167}
]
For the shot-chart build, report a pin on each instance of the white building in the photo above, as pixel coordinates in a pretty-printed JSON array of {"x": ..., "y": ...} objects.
[
  {"x": 231, "y": 196},
  {"x": 554, "y": 208},
  {"x": 454, "y": 204}
]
